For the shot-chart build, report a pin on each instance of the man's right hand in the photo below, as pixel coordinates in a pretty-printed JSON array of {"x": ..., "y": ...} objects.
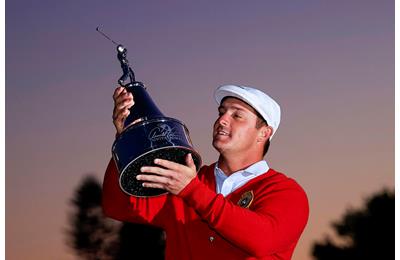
[{"x": 123, "y": 100}]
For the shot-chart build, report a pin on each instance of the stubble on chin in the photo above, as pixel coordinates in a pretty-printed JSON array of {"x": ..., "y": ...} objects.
[{"x": 220, "y": 147}]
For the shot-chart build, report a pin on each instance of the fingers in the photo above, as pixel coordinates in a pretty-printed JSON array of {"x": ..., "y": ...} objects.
[
  {"x": 190, "y": 161},
  {"x": 154, "y": 186},
  {"x": 154, "y": 181},
  {"x": 168, "y": 175},
  {"x": 117, "y": 92},
  {"x": 157, "y": 170},
  {"x": 120, "y": 115},
  {"x": 169, "y": 168},
  {"x": 123, "y": 100},
  {"x": 159, "y": 177},
  {"x": 169, "y": 164}
]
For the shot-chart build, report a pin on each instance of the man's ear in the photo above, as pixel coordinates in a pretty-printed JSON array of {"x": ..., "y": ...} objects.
[{"x": 264, "y": 133}]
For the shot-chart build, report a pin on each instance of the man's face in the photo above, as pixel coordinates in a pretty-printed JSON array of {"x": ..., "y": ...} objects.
[{"x": 235, "y": 129}]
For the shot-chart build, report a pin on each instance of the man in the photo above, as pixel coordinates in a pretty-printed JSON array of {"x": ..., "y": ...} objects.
[{"x": 236, "y": 208}]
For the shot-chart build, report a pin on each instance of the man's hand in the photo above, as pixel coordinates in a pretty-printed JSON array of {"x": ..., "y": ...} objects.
[
  {"x": 123, "y": 100},
  {"x": 171, "y": 176}
]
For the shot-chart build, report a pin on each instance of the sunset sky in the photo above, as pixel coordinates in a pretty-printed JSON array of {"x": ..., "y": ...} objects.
[{"x": 329, "y": 64}]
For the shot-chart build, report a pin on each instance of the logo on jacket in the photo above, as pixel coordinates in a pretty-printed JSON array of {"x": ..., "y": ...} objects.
[{"x": 246, "y": 199}]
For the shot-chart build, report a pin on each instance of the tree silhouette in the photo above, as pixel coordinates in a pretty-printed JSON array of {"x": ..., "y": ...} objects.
[
  {"x": 367, "y": 233},
  {"x": 93, "y": 236}
]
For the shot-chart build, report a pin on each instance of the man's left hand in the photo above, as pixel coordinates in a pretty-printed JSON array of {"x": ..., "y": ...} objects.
[{"x": 171, "y": 176}]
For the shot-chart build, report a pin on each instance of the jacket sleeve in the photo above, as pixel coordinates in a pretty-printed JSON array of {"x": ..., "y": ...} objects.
[
  {"x": 120, "y": 206},
  {"x": 274, "y": 223}
]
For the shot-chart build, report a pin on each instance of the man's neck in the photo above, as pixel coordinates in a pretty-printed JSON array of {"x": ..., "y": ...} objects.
[{"x": 231, "y": 165}]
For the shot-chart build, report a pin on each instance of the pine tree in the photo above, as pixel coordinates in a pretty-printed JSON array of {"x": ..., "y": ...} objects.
[
  {"x": 91, "y": 235},
  {"x": 366, "y": 233}
]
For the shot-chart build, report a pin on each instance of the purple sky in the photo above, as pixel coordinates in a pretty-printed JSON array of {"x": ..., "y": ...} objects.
[{"x": 330, "y": 65}]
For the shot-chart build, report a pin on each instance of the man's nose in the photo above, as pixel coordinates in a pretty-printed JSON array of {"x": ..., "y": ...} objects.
[{"x": 223, "y": 120}]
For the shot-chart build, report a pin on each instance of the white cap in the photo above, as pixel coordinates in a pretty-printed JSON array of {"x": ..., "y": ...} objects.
[{"x": 261, "y": 102}]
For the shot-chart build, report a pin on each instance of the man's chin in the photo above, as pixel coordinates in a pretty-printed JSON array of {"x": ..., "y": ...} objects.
[{"x": 218, "y": 145}]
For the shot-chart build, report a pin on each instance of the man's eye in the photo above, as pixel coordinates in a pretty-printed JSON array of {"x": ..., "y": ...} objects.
[{"x": 237, "y": 116}]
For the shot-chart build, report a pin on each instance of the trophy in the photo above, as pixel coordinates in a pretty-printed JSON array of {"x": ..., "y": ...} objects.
[{"x": 147, "y": 135}]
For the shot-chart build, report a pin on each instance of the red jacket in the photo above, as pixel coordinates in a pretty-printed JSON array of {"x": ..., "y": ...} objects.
[{"x": 201, "y": 224}]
